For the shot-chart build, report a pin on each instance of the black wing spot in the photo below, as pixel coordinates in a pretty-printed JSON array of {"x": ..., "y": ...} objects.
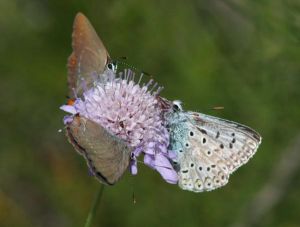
[
  {"x": 233, "y": 134},
  {"x": 202, "y": 131},
  {"x": 213, "y": 166},
  {"x": 208, "y": 169},
  {"x": 180, "y": 150},
  {"x": 233, "y": 140},
  {"x": 187, "y": 144},
  {"x": 203, "y": 140},
  {"x": 208, "y": 152},
  {"x": 192, "y": 164},
  {"x": 191, "y": 133},
  {"x": 230, "y": 145},
  {"x": 221, "y": 146},
  {"x": 185, "y": 171},
  {"x": 200, "y": 168},
  {"x": 218, "y": 135}
]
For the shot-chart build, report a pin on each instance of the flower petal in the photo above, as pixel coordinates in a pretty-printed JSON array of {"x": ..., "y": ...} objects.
[
  {"x": 67, "y": 119},
  {"x": 149, "y": 161},
  {"x": 164, "y": 167},
  {"x": 137, "y": 151},
  {"x": 133, "y": 166},
  {"x": 68, "y": 109},
  {"x": 172, "y": 155}
]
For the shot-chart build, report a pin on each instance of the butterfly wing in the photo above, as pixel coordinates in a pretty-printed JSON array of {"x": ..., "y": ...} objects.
[
  {"x": 89, "y": 56},
  {"x": 209, "y": 149},
  {"x": 107, "y": 156}
]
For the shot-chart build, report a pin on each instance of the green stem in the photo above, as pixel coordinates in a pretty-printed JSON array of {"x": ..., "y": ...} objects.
[{"x": 93, "y": 210}]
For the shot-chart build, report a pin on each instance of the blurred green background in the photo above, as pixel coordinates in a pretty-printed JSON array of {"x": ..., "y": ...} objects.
[{"x": 243, "y": 55}]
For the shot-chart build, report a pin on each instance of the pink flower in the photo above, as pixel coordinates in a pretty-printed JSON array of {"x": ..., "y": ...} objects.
[{"x": 131, "y": 112}]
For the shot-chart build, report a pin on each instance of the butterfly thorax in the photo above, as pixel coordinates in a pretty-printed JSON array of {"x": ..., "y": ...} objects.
[{"x": 178, "y": 127}]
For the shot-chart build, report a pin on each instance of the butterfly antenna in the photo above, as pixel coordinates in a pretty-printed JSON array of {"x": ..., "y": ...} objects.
[
  {"x": 133, "y": 192},
  {"x": 130, "y": 75},
  {"x": 122, "y": 58},
  {"x": 218, "y": 108},
  {"x": 132, "y": 67},
  {"x": 133, "y": 198}
]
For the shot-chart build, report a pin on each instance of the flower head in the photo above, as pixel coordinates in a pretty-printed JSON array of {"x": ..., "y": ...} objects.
[{"x": 132, "y": 113}]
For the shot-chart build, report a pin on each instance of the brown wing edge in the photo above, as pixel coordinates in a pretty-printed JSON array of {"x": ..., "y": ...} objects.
[{"x": 82, "y": 152}]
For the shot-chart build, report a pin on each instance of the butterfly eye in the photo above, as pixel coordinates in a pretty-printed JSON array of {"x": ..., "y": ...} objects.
[
  {"x": 112, "y": 66},
  {"x": 177, "y": 106}
]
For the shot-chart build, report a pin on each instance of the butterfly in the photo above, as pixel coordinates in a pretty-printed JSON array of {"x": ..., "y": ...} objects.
[
  {"x": 89, "y": 58},
  {"x": 208, "y": 148},
  {"x": 106, "y": 155}
]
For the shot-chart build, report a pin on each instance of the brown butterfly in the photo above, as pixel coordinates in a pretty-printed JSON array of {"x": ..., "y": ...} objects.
[
  {"x": 89, "y": 56},
  {"x": 107, "y": 156}
]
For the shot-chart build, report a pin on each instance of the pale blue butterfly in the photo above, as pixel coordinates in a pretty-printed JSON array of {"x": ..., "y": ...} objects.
[{"x": 208, "y": 148}]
